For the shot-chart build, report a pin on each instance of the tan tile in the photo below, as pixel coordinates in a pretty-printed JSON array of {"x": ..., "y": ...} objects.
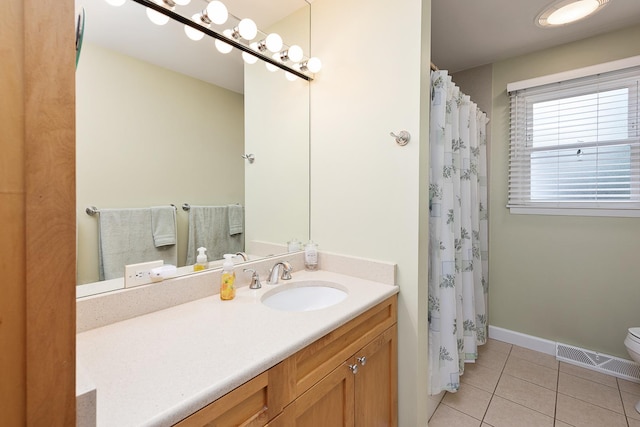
[
  {"x": 561, "y": 424},
  {"x": 588, "y": 391},
  {"x": 432, "y": 405},
  {"x": 504, "y": 413},
  {"x": 588, "y": 374},
  {"x": 480, "y": 377},
  {"x": 532, "y": 372},
  {"x": 628, "y": 386},
  {"x": 495, "y": 345},
  {"x": 578, "y": 413},
  {"x": 447, "y": 417},
  {"x": 527, "y": 394},
  {"x": 536, "y": 357},
  {"x": 469, "y": 400},
  {"x": 486, "y": 425},
  {"x": 492, "y": 359},
  {"x": 632, "y": 422},
  {"x": 630, "y": 401}
]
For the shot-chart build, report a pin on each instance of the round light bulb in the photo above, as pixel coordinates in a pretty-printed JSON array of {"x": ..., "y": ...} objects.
[
  {"x": 249, "y": 59},
  {"x": 182, "y": 2},
  {"x": 157, "y": 17},
  {"x": 273, "y": 42},
  {"x": 247, "y": 29},
  {"x": 115, "y": 2},
  {"x": 217, "y": 12},
  {"x": 222, "y": 46},
  {"x": 295, "y": 53},
  {"x": 192, "y": 33},
  {"x": 290, "y": 76},
  {"x": 314, "y": 65}
]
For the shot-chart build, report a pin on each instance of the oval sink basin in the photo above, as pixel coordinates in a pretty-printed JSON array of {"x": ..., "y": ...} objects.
[{"x": 304, "y": 296}]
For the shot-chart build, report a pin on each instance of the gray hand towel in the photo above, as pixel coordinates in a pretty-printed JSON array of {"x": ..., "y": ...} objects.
[
  {"x": 125, "y": 237},
  {"x": 209, "y": 228},
  {"x": 236, "y": 219},
  {"x": 163, "y": 223}
]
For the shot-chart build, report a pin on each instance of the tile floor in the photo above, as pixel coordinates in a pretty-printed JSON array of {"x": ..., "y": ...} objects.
[{"x": 510, "y": 386}]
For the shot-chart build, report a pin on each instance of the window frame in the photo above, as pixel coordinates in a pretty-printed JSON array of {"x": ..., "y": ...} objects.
[{"x": 580, "y": 82}]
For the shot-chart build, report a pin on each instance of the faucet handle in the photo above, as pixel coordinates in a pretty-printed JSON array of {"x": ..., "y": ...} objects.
[
  {"x": 255, "y": 278},
  {"x": 286, "y": 271}
]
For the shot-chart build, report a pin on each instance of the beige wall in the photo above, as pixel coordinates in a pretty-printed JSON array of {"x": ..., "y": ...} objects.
[
  {"x": 148, "y": 136},
  {"x": 369, "y": 195},
  {"x": 277, "y": 133},
  {"x": 574, "y": 280}
]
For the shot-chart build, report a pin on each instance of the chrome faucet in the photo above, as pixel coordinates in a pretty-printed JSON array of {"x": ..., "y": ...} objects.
[
  {"x": 255, "y": 279},
  {"x": 275, "y": 271},
  {"x": 243, "y": 255}
]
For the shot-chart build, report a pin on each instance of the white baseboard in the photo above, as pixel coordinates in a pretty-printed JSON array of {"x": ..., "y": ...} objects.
[
  {"x": 523, "y": 340},
  {"x": 610, "y": 365}
]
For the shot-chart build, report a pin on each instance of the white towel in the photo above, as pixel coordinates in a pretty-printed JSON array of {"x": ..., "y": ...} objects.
[
  {"x": 163, "y": 223},
  {"x": 125, "y": 237},
  {"x": 236, "y": 219},
  {"x": 209, "y": 228}
]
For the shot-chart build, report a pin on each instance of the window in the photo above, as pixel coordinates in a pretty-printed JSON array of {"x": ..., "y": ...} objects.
[{"x": 575, "y": 146}]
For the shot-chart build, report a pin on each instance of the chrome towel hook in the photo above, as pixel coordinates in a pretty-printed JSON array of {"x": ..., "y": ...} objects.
[
  {"x": 402, "y": 138},
  {"x": 249, "y": 157}
]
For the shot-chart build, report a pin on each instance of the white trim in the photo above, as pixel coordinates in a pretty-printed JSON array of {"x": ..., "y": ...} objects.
[
  {"x": 620, "y": 213},
  {"x": 575, "y": 74},
  {"x": 523, "y": 340}
]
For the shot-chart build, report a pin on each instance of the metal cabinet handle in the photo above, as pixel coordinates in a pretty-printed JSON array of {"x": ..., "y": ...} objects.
[
  {"x": 362, "y": 360},
  {"x": 354, "y": 368}
]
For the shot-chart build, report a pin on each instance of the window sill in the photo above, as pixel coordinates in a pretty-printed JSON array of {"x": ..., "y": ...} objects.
[{"x": 621, "y": 213}]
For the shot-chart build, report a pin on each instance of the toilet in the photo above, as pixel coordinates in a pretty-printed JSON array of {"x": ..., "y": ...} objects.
[{"x": 632, "y": 342}]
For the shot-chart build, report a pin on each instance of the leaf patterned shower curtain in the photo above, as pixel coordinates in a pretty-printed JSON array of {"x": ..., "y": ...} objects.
[{"x": 458, "y": 250}]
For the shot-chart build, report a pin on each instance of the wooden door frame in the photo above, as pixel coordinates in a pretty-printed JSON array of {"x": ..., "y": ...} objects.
[{"x": 37, "y": 213}]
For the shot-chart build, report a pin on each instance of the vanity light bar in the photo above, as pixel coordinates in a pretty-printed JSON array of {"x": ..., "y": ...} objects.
[{"x": 177, "y": 17}]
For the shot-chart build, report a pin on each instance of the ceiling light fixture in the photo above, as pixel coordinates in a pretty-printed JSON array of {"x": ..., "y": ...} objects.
[
  {"x": 291, "y": 59},
  {"x": 563, "y": 12}
]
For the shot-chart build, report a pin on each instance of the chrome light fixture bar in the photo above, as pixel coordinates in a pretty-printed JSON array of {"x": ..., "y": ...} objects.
[{"x": 228, "y": 40}]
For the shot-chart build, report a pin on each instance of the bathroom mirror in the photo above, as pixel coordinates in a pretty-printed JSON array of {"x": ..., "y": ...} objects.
[{"x": 162, "y": 119}]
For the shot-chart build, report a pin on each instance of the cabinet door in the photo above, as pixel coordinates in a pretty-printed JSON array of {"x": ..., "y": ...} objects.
[
  {"x": 376, "y": 383},
  {"x": 327, "y": 403}
]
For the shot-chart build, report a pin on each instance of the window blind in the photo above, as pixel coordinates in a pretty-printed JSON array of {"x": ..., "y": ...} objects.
[{"x": 575, "y": 144}]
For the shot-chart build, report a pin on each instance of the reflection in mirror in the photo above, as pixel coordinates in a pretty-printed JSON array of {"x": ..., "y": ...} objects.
[{"x": 158, "y": 124}]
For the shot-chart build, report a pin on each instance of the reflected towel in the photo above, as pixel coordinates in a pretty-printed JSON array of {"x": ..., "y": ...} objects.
[
  {"x": 163, "y": 225},
  {"x": 236, "y": 219},
  {"x": 209, "y": 227},
  {"x": 125, "y": 237}
]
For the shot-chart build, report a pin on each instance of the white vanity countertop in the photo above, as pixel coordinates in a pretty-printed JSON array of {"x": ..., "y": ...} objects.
[{"x": 156, "y": 369}]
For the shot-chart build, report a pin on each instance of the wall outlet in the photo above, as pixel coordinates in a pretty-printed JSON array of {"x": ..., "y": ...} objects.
[{"x": 139, "y": 274}]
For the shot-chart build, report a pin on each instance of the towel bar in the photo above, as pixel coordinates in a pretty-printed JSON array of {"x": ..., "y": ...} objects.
[{"x": 92, "y": 210}]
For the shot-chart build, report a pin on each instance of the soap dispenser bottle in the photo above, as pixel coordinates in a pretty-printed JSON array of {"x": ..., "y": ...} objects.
[
  {"x": 311, "y": 256},
  {"x": 201, "y": 260},
  {"x": 228, "y": 279}
]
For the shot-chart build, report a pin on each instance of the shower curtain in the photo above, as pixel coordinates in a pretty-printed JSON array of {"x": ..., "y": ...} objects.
[{"x": 458, "y": 261}]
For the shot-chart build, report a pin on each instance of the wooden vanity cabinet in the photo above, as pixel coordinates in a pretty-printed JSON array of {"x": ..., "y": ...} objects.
[
  {"x": 252, "y": 404},
  {"x": 360, "y": 392},
  {"x": 346, "y": 378}
]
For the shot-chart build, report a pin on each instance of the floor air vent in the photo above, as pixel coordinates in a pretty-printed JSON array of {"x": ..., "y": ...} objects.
[{"x": 610, "y": 365}]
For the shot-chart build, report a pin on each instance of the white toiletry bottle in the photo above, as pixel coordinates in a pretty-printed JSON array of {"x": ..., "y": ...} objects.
[
  {"x": 201, "y": 260},
  {"x": 293, "y": 245},
  {"x": 311, "y": 256}
]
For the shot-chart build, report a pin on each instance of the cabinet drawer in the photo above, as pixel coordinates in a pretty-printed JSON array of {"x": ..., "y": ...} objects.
[
  {"x": 317, "y": 360},
  {"x": 252, "y": 404}
]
